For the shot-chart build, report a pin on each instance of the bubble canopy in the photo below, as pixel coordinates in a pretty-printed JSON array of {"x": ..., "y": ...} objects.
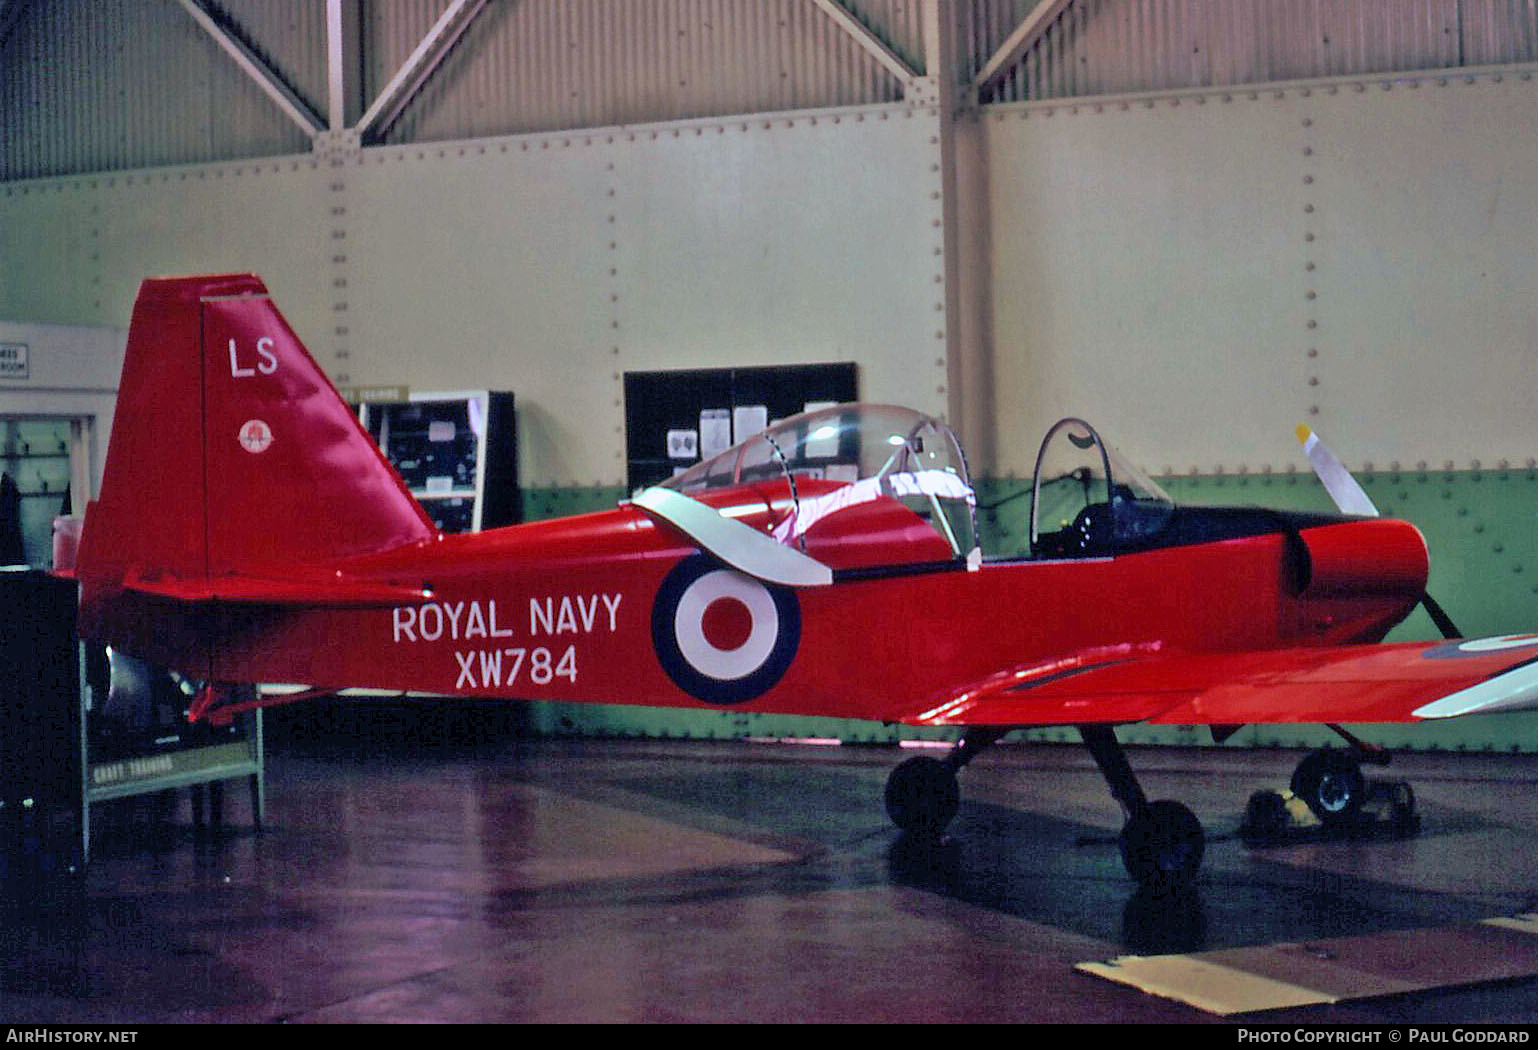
[
  {"x": 828, "y": 473},
  {"x": 1088, "y": 500}
]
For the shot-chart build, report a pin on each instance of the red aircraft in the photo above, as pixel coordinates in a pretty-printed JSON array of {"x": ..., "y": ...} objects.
[{"x": 250, "y": 531}]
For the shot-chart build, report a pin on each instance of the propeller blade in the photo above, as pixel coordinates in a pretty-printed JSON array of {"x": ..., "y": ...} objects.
[
  {"x": 1337, "y": 480},
  {"x": 1440, "y": 618}
]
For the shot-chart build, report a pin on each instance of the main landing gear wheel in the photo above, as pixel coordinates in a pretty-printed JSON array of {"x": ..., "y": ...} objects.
[
  {"x": 1162, "y": 845},
  {"x": 1332, "y": 785},
  {"x": 922, "y": 796}
]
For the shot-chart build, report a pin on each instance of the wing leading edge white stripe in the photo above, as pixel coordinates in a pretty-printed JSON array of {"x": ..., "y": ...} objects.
[{"x": 1513, "y": 690}]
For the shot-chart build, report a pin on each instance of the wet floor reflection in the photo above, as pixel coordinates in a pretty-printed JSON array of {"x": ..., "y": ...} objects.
[
  {"x": 1069, "y": 875},
  {"x": 1055, "y": 871},
  {"x": 511, "y": 885},
  {"x": 1164, "y": 922}
]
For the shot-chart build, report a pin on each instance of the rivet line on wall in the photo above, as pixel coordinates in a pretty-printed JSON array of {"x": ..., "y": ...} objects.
[
  {"x": 611, "y": 211},
  {"x": 1092, "y": 105},
  {"x": 1311, "y": 293},
  {"x": 341, "y": 334},
  {"x": 95, "y": 257},
  {"x": 937, "y": 223}
]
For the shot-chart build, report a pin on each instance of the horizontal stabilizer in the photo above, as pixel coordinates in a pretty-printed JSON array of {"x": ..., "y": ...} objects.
[{"x": 235, "y": 589}]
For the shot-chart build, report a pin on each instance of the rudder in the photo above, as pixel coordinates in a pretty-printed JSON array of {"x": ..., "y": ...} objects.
[{"x": 230, "y": 451}]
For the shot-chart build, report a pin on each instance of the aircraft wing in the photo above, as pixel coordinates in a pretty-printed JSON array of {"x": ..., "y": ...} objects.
[
  {"x": 1360, "y": 684},
  {"x": 295, "y": 590}
]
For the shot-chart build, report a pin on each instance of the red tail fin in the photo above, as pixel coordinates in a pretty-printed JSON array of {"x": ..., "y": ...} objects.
[{"x": 231, "y": 451}]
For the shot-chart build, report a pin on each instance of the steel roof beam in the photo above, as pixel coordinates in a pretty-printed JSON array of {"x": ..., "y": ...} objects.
[
  {"x": 343, "y": 28},
  {"x": 873, "y": 44},
  {"x": 419, "y": 68},
  {"x": 294, "y": 107},
  {"x": 1025, "y": 36}
]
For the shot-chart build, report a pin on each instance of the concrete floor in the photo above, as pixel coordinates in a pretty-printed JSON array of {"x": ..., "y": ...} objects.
[{"x": 432, "y": 871}]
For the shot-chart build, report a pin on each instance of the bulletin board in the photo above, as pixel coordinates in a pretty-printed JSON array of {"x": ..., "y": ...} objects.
[{"x": 674, "y": 419}]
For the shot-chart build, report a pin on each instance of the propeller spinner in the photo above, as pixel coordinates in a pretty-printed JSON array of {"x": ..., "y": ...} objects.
[{"x": 1352, "y": 499}]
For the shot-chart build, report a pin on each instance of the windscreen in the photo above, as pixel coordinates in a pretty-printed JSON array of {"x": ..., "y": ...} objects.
[
  {"x": 847, "y": 456},
  {"x": 1089, "y": 501}
]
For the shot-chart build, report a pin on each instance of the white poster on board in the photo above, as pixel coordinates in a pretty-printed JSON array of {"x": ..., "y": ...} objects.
[
  {"x": 715, "y": 431},
  {"x": 748, "y": 420},
  {"x": 683, "y": 444}
]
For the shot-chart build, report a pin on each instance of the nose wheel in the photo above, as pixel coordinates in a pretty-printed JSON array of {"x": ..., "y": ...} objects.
[
  {"x": 1337, "y": 799},
  {"x": 1331, "y": 784}
]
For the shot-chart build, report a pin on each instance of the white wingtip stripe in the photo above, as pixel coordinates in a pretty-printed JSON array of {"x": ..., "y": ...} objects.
[{"x": 1513, "y": 690}]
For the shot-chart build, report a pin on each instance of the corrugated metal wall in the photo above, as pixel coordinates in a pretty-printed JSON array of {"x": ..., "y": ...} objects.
[
  {"x": 1112, "y": 46},
  {"x": 540, "y": 66},
  {"x": 98, "y": 85},
  {"x": 102, "y": 85}
]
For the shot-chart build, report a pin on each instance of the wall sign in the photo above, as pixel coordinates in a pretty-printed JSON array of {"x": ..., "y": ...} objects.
[{"x": 14, "y": 361}]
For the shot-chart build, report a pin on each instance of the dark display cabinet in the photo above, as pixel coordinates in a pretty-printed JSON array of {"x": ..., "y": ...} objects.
[{"x": 457, "y": 452}]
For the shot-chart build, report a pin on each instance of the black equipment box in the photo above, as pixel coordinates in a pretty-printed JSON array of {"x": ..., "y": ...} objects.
[{"x": 40, "y": 755}]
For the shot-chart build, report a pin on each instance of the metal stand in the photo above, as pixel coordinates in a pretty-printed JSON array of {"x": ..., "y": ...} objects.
[{"x": 190, "y": 767}]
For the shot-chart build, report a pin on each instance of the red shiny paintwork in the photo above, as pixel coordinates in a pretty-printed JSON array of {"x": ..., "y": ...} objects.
[
  {"x": 249, "y": 531},
  {"x": 1375, "y": 557}
]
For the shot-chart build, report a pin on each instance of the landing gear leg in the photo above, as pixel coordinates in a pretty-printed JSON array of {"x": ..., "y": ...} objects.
[
  {"x": 1162, "y": 842},
  {"x": 922, "y": 794}
]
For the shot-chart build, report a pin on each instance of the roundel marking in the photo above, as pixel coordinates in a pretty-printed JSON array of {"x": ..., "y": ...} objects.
[
  {"x": 1478, "y": 646},
  {"x": 1493, "y": 645},
  {"x": 721, "y": 636},
  {"x": 727, "y": 623}
]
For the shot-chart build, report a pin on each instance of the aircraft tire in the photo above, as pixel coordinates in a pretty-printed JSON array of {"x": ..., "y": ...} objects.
[
  {"x": 1403, "y": 818},
  {"x": 1162, "y": 847},
  {"x": 922, "y": 796},
  {"x": 1332, "y": 785}
]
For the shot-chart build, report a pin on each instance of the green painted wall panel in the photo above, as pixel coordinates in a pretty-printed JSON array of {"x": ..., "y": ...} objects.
[{"x": 542, "y": 504}]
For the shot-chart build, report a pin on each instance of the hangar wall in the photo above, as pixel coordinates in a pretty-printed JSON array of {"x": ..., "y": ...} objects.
[
  {"x": 1202, "y": 270},
  {"x": 1198, "y": 271},
  {"x": 1194, "y": 269},
  {"x": 547, "y": 265},
  {"x": 552, "y": 265}
]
